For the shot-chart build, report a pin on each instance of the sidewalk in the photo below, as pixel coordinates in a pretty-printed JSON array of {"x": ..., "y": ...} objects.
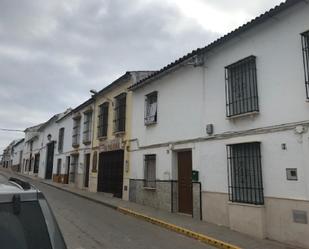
[{"x": 214, "y": 231}]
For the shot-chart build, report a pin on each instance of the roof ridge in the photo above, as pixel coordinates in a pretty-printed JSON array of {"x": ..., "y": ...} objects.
[{"x": 244, "y": 27}]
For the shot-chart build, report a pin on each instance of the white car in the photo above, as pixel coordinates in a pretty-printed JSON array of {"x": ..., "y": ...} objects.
[{"x": 26, "y": 220}]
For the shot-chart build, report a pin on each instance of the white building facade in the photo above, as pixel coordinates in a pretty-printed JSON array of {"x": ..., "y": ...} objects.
[
  {"x": 48, "y": 142},
  {"x": 31, "y": 150},
  {"x": 17, "y": 154},
  {"x": 63, "y": 150},
  {"x": 222, "y": 134},
  {"x": 81, "y": 142}
]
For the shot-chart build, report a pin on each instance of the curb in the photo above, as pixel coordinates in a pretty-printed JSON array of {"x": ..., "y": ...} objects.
[
  {"x": 191, "y": 234},
  {"x": 201, "y": 237}
]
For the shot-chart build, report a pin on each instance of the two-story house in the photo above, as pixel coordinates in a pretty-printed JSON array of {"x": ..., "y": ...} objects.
[
  {"x": 7, "y": 156},
  {"x": 17, "y": 154},
  {"x": 112, "y": 127},
  {"x": 31, "y": 150},
  {"x": 222, "y": 133},
  {"x": 81, "y": 141},
  {"x": 48, "y": 144},
  {"x": 63, "y": 150}
]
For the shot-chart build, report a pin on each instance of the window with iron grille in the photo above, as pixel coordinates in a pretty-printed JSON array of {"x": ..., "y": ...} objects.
[
  {"x": 87, "y": 127},
  {"x": 103, "y": 120},
  {"x": 73, "y": 168},
  {"x": 245, "y": 182},
  {"x": 60, "y": 139},
  {"x": 120, "y": 113},
  {"x": 241, "y": 87},
  {"x": 151, "y": 102},
  {"x": 305, "y": 46},
  {"x": 150, "y": 171},
  {"x": 76, "y": 132},
  {"x": 59, "y": 161}
]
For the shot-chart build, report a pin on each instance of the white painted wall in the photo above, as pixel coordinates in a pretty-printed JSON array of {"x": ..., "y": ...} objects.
[
  {"x": 52, "y": 129},
  {"x": 180, "y": 107},
  {"x": 84, "y": 149},
  {"x": 16, "y": 155},
  {"x": 280, "y": 73},
  {"x": 36, "y": 147},
  {"x": 67, "y": 124},
  {"x": 190, "y": 98}
]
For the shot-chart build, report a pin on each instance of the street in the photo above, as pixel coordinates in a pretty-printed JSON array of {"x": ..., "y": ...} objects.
[{"x": 88, "y": 225}]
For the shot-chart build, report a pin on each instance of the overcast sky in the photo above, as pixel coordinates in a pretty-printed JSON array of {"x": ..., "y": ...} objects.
[{"x": 53, "y": 52}]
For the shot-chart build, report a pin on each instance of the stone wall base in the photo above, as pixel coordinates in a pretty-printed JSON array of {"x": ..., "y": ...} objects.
[
  {"x": 273, "y": 220},
  {"x": 164, "y": 196}
]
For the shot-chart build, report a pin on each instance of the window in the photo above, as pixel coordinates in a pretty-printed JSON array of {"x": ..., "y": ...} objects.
[
  {"x": 73, "y": 168},
  {"x": 120, "y": 112},
  {"x": 305, "y": 46},
  {"x": 60, "y": 140},
  {"x": 151, "y": 108},
  {"x": 94, "y": 161},
  {"x": 245, "y": 173},
  {"x": 76, "y": 132},
  {"x": 103, "y": 120},
  {"x": 87, "y": 127},
  {"x": 58, "y": 166},
  {"x": 150, "y": 171},
  {"x": 241, "y": 87}
]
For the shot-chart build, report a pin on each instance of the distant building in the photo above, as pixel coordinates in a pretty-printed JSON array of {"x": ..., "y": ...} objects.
[
  {"x": 63, "y": 150},
  {"x": 32, "y": 150},
  {"x": 17, "y": 155},
  {"x": 7, "y": 156}
]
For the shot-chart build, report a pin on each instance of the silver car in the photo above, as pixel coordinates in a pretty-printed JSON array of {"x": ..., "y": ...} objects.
[{"x": 26, "y": 220}]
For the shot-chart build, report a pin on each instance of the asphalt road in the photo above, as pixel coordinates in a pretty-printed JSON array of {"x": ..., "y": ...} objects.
[{"x": 89, "y": 225}]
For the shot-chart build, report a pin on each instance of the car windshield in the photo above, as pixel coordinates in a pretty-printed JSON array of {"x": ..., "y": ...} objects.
[{"x": 25, "y": 230}]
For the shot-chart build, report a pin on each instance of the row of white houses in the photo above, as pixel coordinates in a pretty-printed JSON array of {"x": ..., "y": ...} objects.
[{"x": 220, "y": 134}]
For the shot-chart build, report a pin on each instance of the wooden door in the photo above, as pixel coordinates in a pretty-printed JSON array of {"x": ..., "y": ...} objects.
[
  {"x": 110, "y": 175},
  {"x": 68, "y": 170},
  {"x": 185, "y": 199},
  {"x": 49, "y": 160},
  {"x": 36, "y": 163},
  {"x": 87, "y": 166}
]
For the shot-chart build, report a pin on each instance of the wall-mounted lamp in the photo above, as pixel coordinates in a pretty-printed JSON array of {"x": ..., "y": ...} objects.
[{"x": 49, "y": 137}]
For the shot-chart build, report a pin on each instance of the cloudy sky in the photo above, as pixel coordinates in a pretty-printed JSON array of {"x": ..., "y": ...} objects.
[{"x": 53, "y": 52}]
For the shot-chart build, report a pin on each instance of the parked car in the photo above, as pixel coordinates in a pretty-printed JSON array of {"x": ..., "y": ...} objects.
[{"x": 26, "y": 220}]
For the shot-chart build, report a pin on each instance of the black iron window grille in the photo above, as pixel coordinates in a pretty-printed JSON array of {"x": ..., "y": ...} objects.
[
  {"x": 59, "y": 163},
  {"x": 151, "y": 103},
  {"x": 120, "y": 113},
  {"x": 60, "y": 139},
  {"x": 150, "y": 171},
  {"x": 76, "y": 132},
  {"x": 73, "y": 168},
  {"x": 103, "y": 120},
  {"x": 305, "y": 47},
  {"x": 241, "y": 87},
  {"x": 245, "y": 184},
  {"x": 87, "y": 127}
]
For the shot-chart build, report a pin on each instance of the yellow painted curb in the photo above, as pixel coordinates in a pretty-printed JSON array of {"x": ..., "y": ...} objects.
[{"x": 201, "y": 237}]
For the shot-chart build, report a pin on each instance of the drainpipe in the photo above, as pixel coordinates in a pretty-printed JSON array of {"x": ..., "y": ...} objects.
[{"x": 93, "y": 135}]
